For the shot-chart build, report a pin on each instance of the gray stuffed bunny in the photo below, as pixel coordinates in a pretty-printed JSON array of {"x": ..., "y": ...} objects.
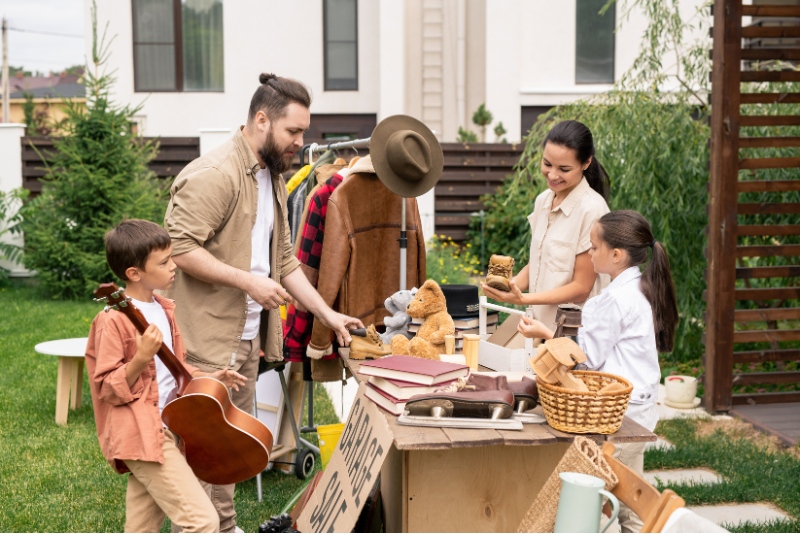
[{"x": 398, "y": 322}]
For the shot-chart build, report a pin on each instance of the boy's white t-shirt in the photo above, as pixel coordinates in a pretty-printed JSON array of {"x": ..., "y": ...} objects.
[
  {"x": 155, "y": 314},
  {"x": 260, "y": 240}
]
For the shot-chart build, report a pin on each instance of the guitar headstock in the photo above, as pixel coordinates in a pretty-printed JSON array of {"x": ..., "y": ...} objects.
[{"x": 113, "y": 296}]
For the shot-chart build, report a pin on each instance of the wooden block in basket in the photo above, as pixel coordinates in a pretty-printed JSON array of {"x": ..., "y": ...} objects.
[
  {"x": 586, "y": 412},
  {"x": 552, "y": 360}
]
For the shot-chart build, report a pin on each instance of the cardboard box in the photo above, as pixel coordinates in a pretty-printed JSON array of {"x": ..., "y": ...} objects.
[{"x": 504, "y": 350}]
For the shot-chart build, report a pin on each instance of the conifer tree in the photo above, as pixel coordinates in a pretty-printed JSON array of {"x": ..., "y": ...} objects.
[{"x": 97, "y": 177}]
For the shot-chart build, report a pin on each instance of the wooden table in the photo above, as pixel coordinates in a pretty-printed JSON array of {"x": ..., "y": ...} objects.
[
  {"x": 464, "y": 480},
  {"x": 69, "y": 385}
]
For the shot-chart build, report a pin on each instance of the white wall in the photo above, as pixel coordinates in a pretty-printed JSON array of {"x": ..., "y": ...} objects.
[{"x": 10, "y": 179}]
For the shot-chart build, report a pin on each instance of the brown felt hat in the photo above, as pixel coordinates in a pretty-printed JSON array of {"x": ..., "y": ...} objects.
[{"x": 406, "y": 155}]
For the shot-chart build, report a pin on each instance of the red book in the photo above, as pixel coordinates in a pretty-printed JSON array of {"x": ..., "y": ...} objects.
[
  {"x": 404, "y": 390},
  {"x": 384, "y": 400},
  {"x": 414, "y": 370}
]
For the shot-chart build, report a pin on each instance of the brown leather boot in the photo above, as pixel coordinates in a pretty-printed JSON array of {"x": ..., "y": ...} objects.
[
  {"x": 493, "y": 404},
  {"x": 370, "y": 347},
  {"x": 501, "y": 269}
]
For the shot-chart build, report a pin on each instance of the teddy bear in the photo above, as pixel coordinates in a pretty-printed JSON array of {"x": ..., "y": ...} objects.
[
  {"x": 398, "y": 322},
  {"x": 429, "y": 304}
]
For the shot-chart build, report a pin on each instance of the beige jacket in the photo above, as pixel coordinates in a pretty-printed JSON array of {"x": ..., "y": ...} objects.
[{"x": 213, "y": 204}]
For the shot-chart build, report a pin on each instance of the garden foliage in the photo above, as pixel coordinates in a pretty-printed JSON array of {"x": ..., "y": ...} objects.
[{"x": 96, "y": 177}]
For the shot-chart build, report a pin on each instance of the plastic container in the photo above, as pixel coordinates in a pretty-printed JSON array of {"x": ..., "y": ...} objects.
[{"x": 328, "y": 438}]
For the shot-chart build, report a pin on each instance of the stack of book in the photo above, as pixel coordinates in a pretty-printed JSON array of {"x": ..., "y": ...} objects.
[
  {"x": 466, "y": 325},
  {"x": 395, "y": 379}
]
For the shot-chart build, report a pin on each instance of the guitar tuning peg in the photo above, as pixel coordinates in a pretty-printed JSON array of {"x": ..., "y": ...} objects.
[
  {"x": 107, "y": 309},
  {"x": 101, "y": 299}
]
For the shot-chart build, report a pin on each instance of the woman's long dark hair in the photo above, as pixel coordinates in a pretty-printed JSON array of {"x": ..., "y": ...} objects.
[
  {"x": 575, "y": 135},
  {"x": 628, "y": 230}
]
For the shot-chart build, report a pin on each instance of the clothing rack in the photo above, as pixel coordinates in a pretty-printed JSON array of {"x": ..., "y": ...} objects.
[{"x": 364, "y": 143}]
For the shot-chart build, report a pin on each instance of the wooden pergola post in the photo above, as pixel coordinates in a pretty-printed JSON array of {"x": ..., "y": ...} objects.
[{"x": 723, "y": 197}]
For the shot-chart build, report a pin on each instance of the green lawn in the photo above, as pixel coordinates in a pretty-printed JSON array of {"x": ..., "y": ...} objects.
[{"x": 54, "y": 479}]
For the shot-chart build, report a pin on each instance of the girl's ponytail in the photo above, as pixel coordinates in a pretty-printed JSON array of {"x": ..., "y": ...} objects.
[
  {"x": 575, "y": 135},
  {"x": 658, "y": 287},
  {"x": 628, "y": 230}
]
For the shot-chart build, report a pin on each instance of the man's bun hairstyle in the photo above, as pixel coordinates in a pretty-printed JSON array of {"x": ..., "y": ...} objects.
[{"x": 275, "y": 94}]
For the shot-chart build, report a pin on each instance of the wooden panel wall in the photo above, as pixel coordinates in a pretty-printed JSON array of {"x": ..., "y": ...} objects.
[{"x": 754, "y": 231}]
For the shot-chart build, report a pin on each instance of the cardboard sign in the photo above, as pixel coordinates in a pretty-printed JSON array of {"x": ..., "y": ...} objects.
[{"x": 351, "y": 472}]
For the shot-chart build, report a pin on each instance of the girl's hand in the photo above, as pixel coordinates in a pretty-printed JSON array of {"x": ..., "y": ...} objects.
[
  {"x": 513, "y": 296},
  {"x": 532, "y": 328},
  {"x": 231, "y": 379}
]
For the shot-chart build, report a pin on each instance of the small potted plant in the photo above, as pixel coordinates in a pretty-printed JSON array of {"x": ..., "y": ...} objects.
[{"x": 681, "y": 391}]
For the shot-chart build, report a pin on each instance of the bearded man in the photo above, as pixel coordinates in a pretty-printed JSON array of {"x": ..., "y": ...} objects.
[{"x": 228, "y": 222}]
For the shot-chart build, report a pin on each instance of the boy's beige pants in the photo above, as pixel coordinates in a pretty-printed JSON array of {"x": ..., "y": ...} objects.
[{"x": 170, "y": 489}]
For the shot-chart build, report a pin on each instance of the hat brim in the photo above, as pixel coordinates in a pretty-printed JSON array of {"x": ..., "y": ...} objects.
[{"x": 399, "y": 185}]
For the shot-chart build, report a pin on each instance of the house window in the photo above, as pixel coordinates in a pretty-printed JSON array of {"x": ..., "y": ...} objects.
[
  {"x": 594, "y": 42},
  {"x": 340, "y": 37},
  {"x": 177, "y": 45}
]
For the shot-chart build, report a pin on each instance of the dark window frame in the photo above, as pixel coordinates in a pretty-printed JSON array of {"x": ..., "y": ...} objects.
[
  {"x": 177, "y": 21},
  {"x": 612, "y": 11},
  {"x": 326, "y": 79}
]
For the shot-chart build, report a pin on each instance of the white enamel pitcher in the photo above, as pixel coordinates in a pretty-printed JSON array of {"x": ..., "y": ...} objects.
[{"x": 580, "y": 503}]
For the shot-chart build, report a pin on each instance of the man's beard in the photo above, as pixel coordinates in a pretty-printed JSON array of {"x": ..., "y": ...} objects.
[{"x": 273, "y": 156}]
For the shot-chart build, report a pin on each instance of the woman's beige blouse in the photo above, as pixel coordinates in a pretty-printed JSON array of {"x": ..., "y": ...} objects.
[{"x": 557, "y": 236}]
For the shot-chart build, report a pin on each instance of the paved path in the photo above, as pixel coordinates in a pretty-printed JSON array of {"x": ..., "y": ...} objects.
[{"x": 730, "y": 514}]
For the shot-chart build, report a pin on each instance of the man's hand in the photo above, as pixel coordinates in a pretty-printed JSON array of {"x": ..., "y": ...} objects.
[
  {"x": 513, "y": 296},
  {"x": 230, "y": 378},
  {"x": 267, "y": 292},
  {"x": 531, "y": 328},
  {"x": 341, "y": 324}
]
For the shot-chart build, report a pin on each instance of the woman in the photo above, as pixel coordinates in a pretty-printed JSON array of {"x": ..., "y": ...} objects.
[{"x": 560, "y": 269}]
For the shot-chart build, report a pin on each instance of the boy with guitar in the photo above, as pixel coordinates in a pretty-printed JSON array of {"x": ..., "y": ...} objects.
[{"x": 130, "y": 387}]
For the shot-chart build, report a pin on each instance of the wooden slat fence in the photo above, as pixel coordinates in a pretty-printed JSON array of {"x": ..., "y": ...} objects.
[
  {"x": 754, "y": 230},
  {"x": 173, "y": 155},
  {"x": 470, "y": 170}
]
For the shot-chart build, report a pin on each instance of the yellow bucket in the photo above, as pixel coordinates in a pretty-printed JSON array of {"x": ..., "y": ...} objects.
[{"x": 328, "y": 438}]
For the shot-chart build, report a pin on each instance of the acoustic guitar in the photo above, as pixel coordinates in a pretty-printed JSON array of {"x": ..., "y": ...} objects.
[{"x": 223, "y": 444}]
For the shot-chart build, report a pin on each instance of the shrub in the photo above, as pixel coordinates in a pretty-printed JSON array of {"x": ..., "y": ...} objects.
[
  {"x": 450, "y": 263},
  {"x": 97, "y": 177}
]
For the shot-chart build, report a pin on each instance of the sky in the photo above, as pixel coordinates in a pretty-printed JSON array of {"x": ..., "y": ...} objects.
[{"x": 43, "y": 51}]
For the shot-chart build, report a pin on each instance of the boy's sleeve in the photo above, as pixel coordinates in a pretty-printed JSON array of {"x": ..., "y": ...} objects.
[{"x": 107, "y": 346}]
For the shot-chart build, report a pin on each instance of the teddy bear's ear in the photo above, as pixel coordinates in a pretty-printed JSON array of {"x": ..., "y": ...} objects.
[{"x": 414, "y": 291}]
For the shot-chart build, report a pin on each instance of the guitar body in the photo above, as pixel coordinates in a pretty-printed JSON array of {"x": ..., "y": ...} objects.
[{"x": 223, "y": 444}]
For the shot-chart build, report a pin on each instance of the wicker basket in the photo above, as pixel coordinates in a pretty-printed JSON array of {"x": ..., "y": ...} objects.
[{"x": 581, "y": 412}]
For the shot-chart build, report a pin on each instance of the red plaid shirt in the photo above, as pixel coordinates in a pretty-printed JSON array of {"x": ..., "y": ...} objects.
[{"x": 299, "y": 323}]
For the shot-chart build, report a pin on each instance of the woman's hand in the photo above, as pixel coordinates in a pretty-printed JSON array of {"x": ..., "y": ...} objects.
[
  {"x": 513, "y": 296},
  {"x": 230, "y": 378},
  {"x": 532, "y": 328}
]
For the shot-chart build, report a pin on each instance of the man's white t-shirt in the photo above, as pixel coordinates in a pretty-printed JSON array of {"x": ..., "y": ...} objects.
[
  {"x": 155, "y": 314},
  {"x": 259, "y": 261}
]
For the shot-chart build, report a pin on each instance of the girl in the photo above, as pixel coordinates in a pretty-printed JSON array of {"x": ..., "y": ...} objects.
[
  {"x": 626, "y": 326},
  {"x": 560, "y": 270}
]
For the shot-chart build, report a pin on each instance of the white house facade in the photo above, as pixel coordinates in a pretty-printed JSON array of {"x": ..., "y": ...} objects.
[{"x": 194, "y": 64}]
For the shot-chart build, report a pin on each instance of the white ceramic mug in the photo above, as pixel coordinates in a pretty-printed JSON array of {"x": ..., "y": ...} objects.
[{"x": 581, "y": 502}]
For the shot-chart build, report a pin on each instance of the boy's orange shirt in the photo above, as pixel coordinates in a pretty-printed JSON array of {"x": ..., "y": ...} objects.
[{"x": 129, "y": 425}]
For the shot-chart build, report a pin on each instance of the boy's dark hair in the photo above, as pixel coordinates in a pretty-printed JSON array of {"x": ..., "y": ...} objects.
[
  {"x": 131, "y": 242},
  {"x": 628, "y": 230},
  {"x": 578, "y": 137},
  {"x": 275, "y": 94}
]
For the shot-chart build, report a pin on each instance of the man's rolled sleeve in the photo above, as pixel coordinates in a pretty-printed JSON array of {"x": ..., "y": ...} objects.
[{"x": 198, "y": 206}]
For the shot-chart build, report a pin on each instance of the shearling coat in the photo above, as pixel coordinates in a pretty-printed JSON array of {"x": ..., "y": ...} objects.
[{"x": 360, "y": 264}]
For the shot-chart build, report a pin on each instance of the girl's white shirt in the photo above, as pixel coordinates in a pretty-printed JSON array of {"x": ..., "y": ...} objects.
[{"x": 618, "y": 337}]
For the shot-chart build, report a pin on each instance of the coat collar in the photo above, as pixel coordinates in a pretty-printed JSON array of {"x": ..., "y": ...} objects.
[{"x": 249, "y": 159}]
